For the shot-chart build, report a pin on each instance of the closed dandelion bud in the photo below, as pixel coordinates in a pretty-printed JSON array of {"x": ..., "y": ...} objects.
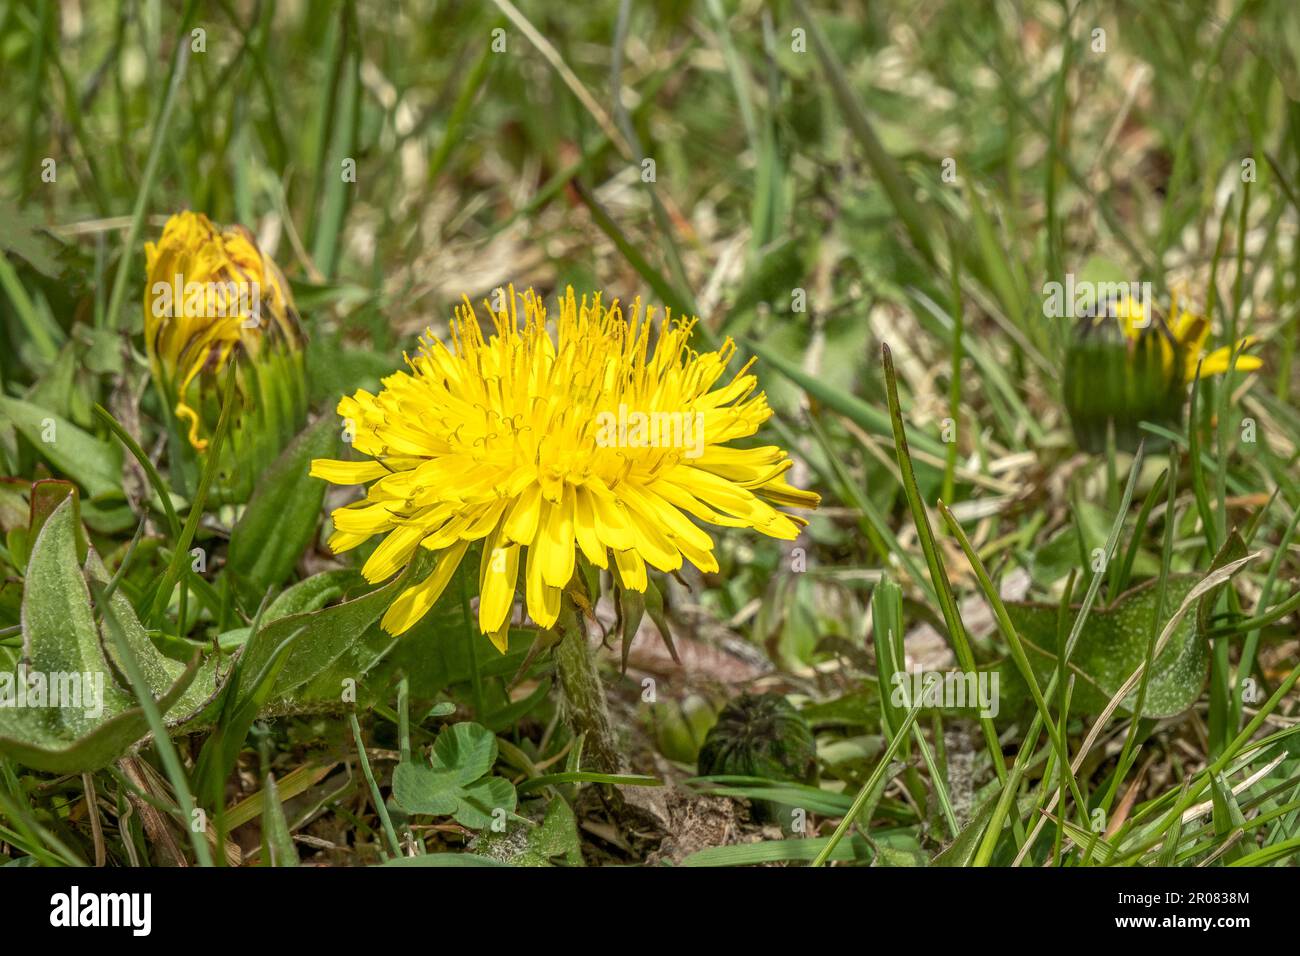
[
  {"x": 1111, "y": 378},
  {"x": 760, "y": 735},
  {"x": 214, "y": 300},
  {"x": 1123, "y": 367}
]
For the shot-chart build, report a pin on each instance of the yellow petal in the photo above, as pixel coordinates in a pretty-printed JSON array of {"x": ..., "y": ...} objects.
[
  {"x": 521, "y": 523},
  {"x": 687, "y": 502},
  {"x": 413, "y": 603},
  {"x": 713, "y": 490},
  {"x": 484, "y": 520},
  {"x": 1132, "y": 317},
  {"x": 784, "y": 494},
  {"x": 392, "y": 554},
  {"x": 631, "y": 570},
  {"x": 341, "y": 541},
  {"x": 190, "y": 415},
  {"x": 702, "y": 558},
  {"x": 346, "y": 472},
  {"x": 446, "y": 535},
  {"x": 543, "y": 601},
  {"x": 555, "y": 541},
  {"x": 367, "y": 519},
  {"x": 652, "y": 544},
  {"x": 1216, "y": 362},
  {"x": 500, "y": 571},
  {"x": 584, "y": 528},
  {"x": 677, "y": 526},
  {"x": 1191, "y": 331},
  {"x": 499, "y": 432},
  {"x": 612, "y": 524},
  {"x": 500, "y": 638}
]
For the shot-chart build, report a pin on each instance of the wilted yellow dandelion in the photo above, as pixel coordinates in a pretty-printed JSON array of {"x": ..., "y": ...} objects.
[
  {"x": 210, "y": 294},
  {"x": 604, "y": 439}
]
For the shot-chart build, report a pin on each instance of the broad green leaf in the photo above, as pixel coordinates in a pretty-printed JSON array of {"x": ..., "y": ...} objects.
[
  {"x": 99, "y": 720},
  {"x": 25, "y": 233},
  {"x": 43, "y": 333},
  {"x": 1113, "y": 645},
  {"x": 305, "y": 596},
  {"x": 907, "y": 853},
  {"x": 160, "y": 672},
  {"x": 24, "y": 508},
  {"x": 59, "y": 633},
  {"x": 46, "y": 496},
  {"x": 319, "y": 638},
  {"x": 418, "y": 789},
  {"x": 281, "y": 517},
  {"x": 1114, "y": 640},
  {"x": 961, "y": 851},
  {"x": 421, "y": 789},
  {"x": 1055, "y": 557},
  {"x": 312, "y": 593},
  {"x": 554, "y": 840},
  {"x": 433, "y": 655},
  {"x": 484, "y": 800},
  {"x": 95, "y": 464},
  {"x": 56, "y": 387}
]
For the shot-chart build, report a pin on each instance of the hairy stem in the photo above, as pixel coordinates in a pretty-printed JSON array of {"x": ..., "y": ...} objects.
[{"x": 584, "y": 695}]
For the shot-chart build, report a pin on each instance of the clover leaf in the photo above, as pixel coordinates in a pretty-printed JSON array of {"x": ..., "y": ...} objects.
[{"x": 455, "y": 783}]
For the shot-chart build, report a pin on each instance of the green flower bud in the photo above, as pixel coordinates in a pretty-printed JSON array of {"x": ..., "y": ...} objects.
[
  {"x": 1122, "y": 377},
  {"x": 760, "y": 735}
]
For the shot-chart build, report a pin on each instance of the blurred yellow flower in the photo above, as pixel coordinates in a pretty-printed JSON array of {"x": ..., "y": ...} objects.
[
  {"x": 1187, "y": 335},
  {"x": 604, "y": 439},
  {"x": 1124, "y": 366},
  {"x": 210, "y": 293}
]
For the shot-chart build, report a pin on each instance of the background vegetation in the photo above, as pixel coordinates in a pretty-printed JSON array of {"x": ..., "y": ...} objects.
[{"x": 812, "y": 179}]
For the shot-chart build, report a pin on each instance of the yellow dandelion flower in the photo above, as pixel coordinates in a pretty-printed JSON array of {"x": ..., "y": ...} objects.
[
  {"x": 1186, "y": 337},
  {"x": 210, "y": 293},
  {"x": 1190, "y": 331},
  {"x": 1125, "y": 366},
  {"x": 604, "y": 439}
]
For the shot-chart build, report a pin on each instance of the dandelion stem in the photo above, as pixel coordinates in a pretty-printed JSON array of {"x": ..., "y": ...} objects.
[{"x": 584, "y": 695}]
